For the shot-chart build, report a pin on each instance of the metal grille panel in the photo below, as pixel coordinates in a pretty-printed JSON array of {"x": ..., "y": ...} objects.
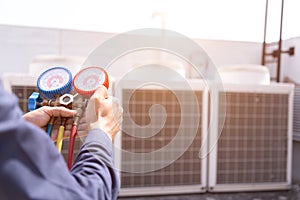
[
  {"x": 184, "y": 171},
  {"x": 23, "y": 92},
  {"x": 253, "y": 146}
]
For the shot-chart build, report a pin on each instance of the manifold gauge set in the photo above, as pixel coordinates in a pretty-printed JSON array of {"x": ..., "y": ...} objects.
[{"x": 58, "y": 88}]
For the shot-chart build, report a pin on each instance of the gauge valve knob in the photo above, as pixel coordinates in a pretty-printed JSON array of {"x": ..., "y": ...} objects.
[{"x": 34, "y": 100}]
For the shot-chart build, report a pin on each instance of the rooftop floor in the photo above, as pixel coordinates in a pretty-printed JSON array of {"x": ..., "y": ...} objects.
[{"x": 292, "y": 194}]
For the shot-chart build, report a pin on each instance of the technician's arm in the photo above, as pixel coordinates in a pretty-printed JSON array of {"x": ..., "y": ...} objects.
[
  {"x": 102, "y": 113},
  {"x": 93, "y": 168},
  {"x": 32, "y": 168}
]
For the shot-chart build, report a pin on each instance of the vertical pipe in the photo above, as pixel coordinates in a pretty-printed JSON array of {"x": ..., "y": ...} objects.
[
  {"x": 263, "y": 61},
  {"x": 280, "y": 45}
]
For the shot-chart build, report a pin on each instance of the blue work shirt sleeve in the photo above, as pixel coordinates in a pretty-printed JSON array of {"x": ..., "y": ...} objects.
[{"x": 32, "y": 168}]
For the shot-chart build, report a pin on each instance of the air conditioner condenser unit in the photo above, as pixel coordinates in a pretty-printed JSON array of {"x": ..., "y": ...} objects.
[
  {"x": 254, "y": 148},
  {"x": 164, "y": 132}
]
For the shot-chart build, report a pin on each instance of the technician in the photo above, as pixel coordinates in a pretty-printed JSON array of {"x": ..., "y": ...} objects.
[{"x": 32, "y": 168}]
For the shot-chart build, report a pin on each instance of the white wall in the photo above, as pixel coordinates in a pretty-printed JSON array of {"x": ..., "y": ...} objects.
[
  {"x": 232, "y": 52},
  {"x": 19, "y": 45},
  {"x": 291, "y": 64}
]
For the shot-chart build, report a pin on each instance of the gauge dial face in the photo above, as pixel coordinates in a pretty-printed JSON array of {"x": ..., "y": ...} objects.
[
  {"x": 54, "y": 79},
  {"x": 89, "y": 79}
]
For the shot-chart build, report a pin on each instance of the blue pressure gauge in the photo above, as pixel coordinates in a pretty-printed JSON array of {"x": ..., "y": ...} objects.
[{"x": 55, "y": 81}]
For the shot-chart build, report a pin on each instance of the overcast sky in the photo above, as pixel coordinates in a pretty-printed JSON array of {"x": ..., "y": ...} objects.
[{"x": 240, "y": 20}]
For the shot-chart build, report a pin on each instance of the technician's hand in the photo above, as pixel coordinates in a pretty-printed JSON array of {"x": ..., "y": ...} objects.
[
  {"x": 104, "y": 112},
  {"x": 40, "y": 117}
]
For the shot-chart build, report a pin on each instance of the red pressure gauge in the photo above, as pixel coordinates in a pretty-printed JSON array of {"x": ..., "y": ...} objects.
[{"x": 87, "y": 80}]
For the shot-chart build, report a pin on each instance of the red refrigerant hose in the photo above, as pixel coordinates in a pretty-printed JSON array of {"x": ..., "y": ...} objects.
[
  {"x": 71, "y": 145},
  {"x": 79, "y": 106}
]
